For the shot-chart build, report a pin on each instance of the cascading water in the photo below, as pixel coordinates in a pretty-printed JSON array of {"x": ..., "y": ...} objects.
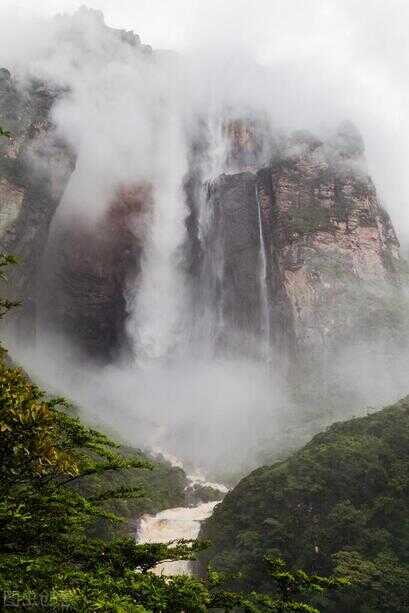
[
  {"x": 174, "y": 524},
  {"x": 160, "y": 320},
  {"x": 177, "y": 524},
  {"x": 208, "y": 328},
  {"x": 157, "y": 303},
  {"x": 209, "y": 323},
  {"x": 184, "y": 347},
  {"x": 265, "y": 321}
]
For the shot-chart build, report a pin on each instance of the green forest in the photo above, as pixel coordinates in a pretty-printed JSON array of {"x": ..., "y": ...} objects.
[{"x": 338, "y": 506}]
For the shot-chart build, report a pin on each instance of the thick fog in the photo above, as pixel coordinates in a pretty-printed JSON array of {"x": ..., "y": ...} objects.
[
  {"x": 130, "y": 116},
  {"x": 327, "y": 59}
]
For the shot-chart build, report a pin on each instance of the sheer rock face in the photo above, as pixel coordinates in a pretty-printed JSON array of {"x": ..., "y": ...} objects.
[
  {"x": 332, "y": 240},
  {"x": 332, "y": 256},
  {"x": 233, "y": 198},
  {"x": 91, "y": 266},
  {"x": 34, "y": 169}
]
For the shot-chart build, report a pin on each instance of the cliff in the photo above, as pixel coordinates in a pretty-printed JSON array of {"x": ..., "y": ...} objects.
[
  {"x": 307, "y": 234},
  {"x": 88, "y": 268},
  {"x": 34, "y": 169},
  {"x": 290, "y": 246},
  {"x": 335, "y": 249}
]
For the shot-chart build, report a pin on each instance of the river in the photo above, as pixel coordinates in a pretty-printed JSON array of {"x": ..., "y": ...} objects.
[{"x": 177, "y": 523}]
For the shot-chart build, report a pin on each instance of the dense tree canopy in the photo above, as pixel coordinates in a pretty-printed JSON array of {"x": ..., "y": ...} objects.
[{"x": 339, "y": 505}]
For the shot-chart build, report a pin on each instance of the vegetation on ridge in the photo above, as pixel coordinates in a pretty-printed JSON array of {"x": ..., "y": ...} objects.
[{"x": 339, "y": 505}]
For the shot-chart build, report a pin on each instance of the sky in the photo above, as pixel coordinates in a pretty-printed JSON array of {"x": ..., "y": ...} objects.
[
  {"x": 338, "y": 31},
  {"x": 268, "y": 25}
]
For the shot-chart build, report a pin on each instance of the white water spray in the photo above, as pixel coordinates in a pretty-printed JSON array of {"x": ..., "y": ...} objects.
[
  {"x": 177, "y": 523},
  {"x": 174, "y": 524},
  {"x": 210, "y": 320},
  {"x": 265, "y": 327},
  {"x": 158, "y": 301}
]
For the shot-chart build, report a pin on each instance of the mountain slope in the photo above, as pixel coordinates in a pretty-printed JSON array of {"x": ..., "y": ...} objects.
[{"x": 337, "y": 505}]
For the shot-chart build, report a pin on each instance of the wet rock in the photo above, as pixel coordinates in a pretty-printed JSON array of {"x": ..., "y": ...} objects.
[
  {"x": 5, "y": 77},
  {"x": 88, "y": 270},
  {"x": 34, "y": 169}
]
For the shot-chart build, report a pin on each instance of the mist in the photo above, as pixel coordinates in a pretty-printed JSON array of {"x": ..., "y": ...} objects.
[{"x": 130, "y": 116}]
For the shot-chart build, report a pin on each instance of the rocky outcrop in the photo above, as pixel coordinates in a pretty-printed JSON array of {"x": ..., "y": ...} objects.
[
  {"x": 248, "y": 142},
  {"x": 88, "y": 267},
  {"x": 34, "y": 168},
  {"x": 335, "y": 248},
  {"x": 331, "y": 253}
]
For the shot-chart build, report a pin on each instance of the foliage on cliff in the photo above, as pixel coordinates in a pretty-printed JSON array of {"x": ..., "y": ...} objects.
[{"x": 339, "y": 505}]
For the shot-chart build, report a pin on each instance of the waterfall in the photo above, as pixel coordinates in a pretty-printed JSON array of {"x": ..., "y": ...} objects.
[
  {"x": 210, "y": 313},
  {"x": 157, "y": 304},
  {"x": 170, "y": 525},
  {"x": 200, "y": 370},
  {"x": 265, "y": 323},
  {"x": 162, "y": 320},
  {"x": 177, "y": 523}
]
